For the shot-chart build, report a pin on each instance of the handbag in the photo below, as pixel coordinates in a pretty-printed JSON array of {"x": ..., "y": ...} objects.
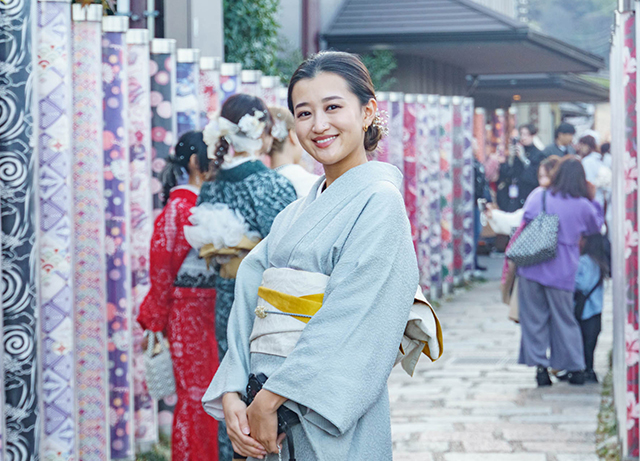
[
  {"x": 158, "y": 366},
  {"x": 580, "y": 300},
  {"x": 538, "y": 241}
]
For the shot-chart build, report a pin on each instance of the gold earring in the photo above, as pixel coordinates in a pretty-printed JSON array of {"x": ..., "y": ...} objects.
[{"x": 365, "y": 128}]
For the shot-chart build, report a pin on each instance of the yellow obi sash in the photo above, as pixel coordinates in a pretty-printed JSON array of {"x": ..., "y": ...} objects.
[
  {"x": 236, "y": 254},
  {"x": 288, "y": 299}
]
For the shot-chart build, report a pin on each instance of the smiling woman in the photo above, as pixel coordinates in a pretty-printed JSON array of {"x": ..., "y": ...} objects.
[{"x": 323, "y": 301}]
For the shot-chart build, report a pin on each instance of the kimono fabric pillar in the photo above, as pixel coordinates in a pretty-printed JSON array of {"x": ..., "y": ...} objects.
[
  {"x": 3, "y": 431},
  {"x": 480, "y": 133},
  {"x": 250, "y": 80},
  {"x": 410, "y": 180},
  {"x": 269, "y": 87},
  {"x": 382, "y": 153},
  {"x": 433, "y": 162},
  {"x": 209, "y": 88},
  {"x": 88, "y": 236},
  {"x": 141, "y": 222},
  {"x": 19, "y": 234},
  {"x": 163, "y": 137},
  {"x": 162, "y": 69},
  {"x": 422, "y": 194},
  {"x": 187, "y": 106},
  {"x": 56, "y": 289},
  {"x": 118, "y": 275},
  {"x": 456, "y": 169},
  {"x": 498, "y": 139},
  {"x": 468, "y": 180},
  {"x": 229, "y": 80},
  {"x": 446, "y": 191},
  {"x": 396, "y": 129},
  {"x": 283, "y": 94}
]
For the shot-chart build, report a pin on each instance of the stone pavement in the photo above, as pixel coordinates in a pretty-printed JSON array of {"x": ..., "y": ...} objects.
[{"x": 477, "y": 404}]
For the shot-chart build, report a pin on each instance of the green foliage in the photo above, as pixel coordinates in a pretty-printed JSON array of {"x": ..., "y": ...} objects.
[
  {"x": 287, "y": 61},
  {"x": 381, "y": 65},
  {"x": 251, "y": 34}
]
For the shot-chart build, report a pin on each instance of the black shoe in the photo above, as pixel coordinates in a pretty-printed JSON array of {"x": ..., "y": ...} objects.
[
  {"x": 542, "y": 376},
  {"x": 590, "y": 376},
  {"x": 576, "y": 377},
  {"x": 562, "y": 375},
  {"x": 480, "y": 268}
]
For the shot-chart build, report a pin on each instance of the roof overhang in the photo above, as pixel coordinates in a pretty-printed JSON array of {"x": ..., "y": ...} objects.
[
  {"x": 538, "y": 88},
  {"x": 458, "y": 32}
]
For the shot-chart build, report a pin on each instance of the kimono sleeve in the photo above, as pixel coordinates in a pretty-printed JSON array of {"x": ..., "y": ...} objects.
[
  {"x": 233, "y": 373},
  {"x": 341, "y": 363}
]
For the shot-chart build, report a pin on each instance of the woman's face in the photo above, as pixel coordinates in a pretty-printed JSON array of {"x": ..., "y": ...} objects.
[
  {"x": 526, "y": 139},
  {"x": 583, "y": 149},
  {"x": 543, "y": 178},
  {"x": 330, "y": 119}
]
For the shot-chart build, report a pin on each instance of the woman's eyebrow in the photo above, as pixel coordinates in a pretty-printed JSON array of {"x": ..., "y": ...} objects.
[{"x": 328, "y": 98}]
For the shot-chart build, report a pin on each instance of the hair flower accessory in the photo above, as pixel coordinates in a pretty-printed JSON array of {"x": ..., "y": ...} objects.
[
  {"x": 251, "y": 125},
  {"x": 381, "y": 122},
  {"x": 279, "y": 130},
  {"x": 242, "y": 137}
]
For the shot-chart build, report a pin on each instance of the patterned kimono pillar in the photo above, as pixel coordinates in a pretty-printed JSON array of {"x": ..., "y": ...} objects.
[
  {"x": 382, "y": 153},
  {"x": 3, "y": 431},
  {"x": 446, "y": 191},
  {"x": 468, "y": 192},
  {"x": 269, "y": 87},
  {"x": 19, "y": 233},
  {"x": 251, "y": 82},
  {"x": 498, "y": 139},
  {"x": 88, "y": 231},
  {"x": 163, "y": 115},
  {"x": 56, "y": 289},
  {"x": 410, "y": 179},
  {"x": 396, "y": 130},
  {"x": 187, "y": 106},
  {"x": 422, "y": 193},
  {"x": 141, "y": 223},
  {"x": 456, "y": 168},
  {"x": 209, "y": 88},
  {"x": 118, "y": 275},
  {"x": 229, "y": 80},
  {"x": 283, "y": 96},
  {"x": 480, "y": 133},
  {"x": 435, "y": 192}
]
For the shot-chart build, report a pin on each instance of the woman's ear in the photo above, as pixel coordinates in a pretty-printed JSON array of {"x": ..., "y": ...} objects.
[
  {"x": 292, "y": 137},
  {"x": 193, "y": 163},
  {"x": 370, "y": 110}
]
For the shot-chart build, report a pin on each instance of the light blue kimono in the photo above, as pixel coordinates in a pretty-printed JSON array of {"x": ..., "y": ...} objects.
[{"x": 357, "y": 232}]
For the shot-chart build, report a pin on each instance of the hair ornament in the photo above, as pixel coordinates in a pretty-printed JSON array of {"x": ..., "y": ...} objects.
[
  {"x": 279, "y": 130},
  {"x": 381, "y": 122},
  {"x": 243, "y": 137}
]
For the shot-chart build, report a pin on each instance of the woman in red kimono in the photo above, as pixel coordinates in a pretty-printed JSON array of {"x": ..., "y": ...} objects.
[{"x": 180, "y": 302}]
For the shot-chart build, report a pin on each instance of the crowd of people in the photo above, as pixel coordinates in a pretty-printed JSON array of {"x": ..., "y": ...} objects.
[{"x": 558, "y": 301}]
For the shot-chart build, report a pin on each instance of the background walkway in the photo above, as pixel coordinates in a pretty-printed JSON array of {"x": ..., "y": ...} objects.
[{"x": 477, "y": 404}]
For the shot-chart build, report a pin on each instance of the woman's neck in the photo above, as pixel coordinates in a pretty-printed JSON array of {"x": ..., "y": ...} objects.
[
  {"x": 195, "y": 180},
  {"x": 281, "y": 159},
  {"x": 334, "y": 171}
]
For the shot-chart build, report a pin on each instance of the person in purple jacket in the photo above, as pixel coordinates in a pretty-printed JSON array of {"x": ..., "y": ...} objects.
[{"x": 545, "y": 291}]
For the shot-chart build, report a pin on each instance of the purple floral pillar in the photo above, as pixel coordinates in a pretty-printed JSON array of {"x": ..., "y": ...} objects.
[
  {"x": 209, "y": 89},
  {"x": 269, "y": 87},
  {"x": 187, "y": 106},
  {"x": 163, "y": 116},
  {"x": 118, "y": 275},
  {"x": 435, "y": 191},
  {"x": 458, "y": 148},
  {"x": 56, "y": 289},
  {"x": 409, "y": 170},
  {"x": 250, "y": 80},
  {"x": 88, "y": 231},
  {"x": 396, "y": 130},
  {"x": 422, "y": 194},
  {"x": 446, "y": 191},
  {"x": 141, "y": 221},
  {"x": 20, "y": 333},
  {"x": 229, "y": 79},
  {"x": 468, "y": 195}
]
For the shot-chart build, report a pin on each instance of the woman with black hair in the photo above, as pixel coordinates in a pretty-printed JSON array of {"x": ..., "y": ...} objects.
[
  {"x": 179, "y": 302},
  {"x": 545, "y": 290}
]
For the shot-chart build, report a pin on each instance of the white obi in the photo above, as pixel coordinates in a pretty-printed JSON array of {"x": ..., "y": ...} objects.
[{"x": 277, "y": 333}]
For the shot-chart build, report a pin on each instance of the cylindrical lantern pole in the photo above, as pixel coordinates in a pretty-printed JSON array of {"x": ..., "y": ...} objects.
[
  {"x": 456, "y": 168},
  {"x": 435, "y": 192},
  {"x": 422, "y": 193},
  {"x": 409, "y": 164},
  {"x": 251, "y": 82},
  {"x": 269, "y": 87},
  {"x": 209, "y": 88},
  {"x": 468, "y": 192},
  {"x": 446, "y": 192},
  {"x": 229, "y": 79},
  {"x": 187, "y": 89}
]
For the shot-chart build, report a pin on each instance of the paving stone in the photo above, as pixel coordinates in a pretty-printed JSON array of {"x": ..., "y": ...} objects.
[
  {"x": 576, "y": 457},
  {"x": 495, "y": 457},
  {"x": 412, "y": 456},
  {"x": 560, "y": 447},
  {"x": 486, "y": 445}
]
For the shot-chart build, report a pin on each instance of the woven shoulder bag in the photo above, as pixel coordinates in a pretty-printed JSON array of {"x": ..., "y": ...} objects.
[
  {"x": 158, "y": 366},
  {"x": 538, "y": 241}
]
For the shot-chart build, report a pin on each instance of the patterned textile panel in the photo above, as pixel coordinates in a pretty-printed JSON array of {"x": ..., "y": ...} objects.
[
  {"x": 19, "y": 233},
  {"x": 498, "y": 138},
  {"x": 2, "y": 428},
  {"x": 209, "y": 95},
  {"x": 229, "y": 84},
  {"x": 410, "y": 180},
  {"x": 163, "y": 118},
  {"x": 446, "y": 191},
  {"x": 282, "y": 97},
  {"x": 187, "y": 105},
  {"x": 141, "y": 224},
  {"x": 396, "y": 129},
  {"x": 118, "y": 275},
  {"x": 458, "y": 218},
  {"x": 631, "y": 228},
  {"x": 56, "y": 291},
  {"x": 269, "y": 96},
  {"x": 89, "y": 260},
  {"x": 422, "y": 195},
  {"x": 382, "y": 153},
  {"x": 433, "y": 169},
  {"x": 480, "y": 133},
  {"x": 468, "y": 197},
  {"x": 252, "y": 88}
]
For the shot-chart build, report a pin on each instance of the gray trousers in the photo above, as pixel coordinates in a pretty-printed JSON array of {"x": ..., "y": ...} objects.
[{"x": 548, "y": 322}]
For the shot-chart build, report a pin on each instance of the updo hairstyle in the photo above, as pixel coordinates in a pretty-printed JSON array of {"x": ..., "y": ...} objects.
[
  {"x": 233, "y": 109},
  {"x": 280, "y": 115},
  {"x": 177, "y": 167},
  {"x": 349, "y": 67}
]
